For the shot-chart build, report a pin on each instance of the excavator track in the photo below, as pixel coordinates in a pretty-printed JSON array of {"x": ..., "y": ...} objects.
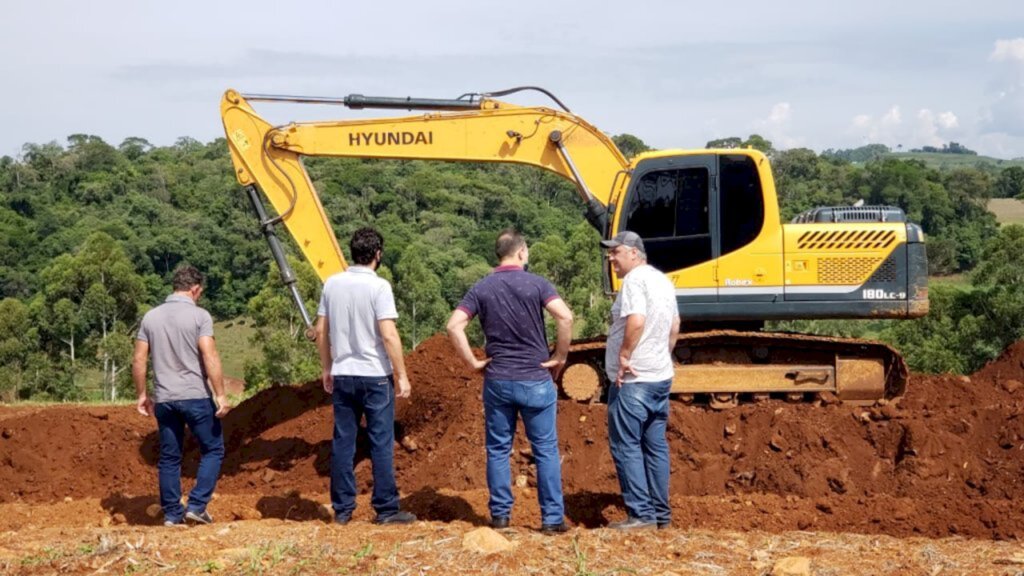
[{"x": 727, "y": 366}]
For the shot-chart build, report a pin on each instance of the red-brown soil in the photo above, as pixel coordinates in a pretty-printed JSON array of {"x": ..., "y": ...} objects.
[{"x": 946, "y": 459}]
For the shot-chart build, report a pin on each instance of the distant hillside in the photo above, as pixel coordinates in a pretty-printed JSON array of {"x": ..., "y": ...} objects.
[{"x": 944, "y": 161}]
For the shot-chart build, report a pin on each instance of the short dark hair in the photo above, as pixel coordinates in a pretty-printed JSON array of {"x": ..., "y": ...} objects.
[
  {"x": 508, "y": 242},
  {"x": 187, "y": 276},
  {"x": 364, "y": 245}
]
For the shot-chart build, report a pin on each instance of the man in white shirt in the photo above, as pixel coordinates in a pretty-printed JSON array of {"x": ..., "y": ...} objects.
[
  {"x": 638, "y": 363},
  {"x": 362, "y": 364}
]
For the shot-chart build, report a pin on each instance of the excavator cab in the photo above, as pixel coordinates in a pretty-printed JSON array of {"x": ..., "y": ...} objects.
[{"x": 710, "y": 220}]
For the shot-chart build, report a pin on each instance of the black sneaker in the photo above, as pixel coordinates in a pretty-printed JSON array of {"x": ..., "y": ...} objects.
[
  {"x": 664, "y": 525},
  {"x": 550, "y": 529},
  {"x": 342, "y": 519},
  {"x": 633, "y": 524},
  {"x": 400, "y": 517},
  {"x": 199, "y": 517},
  {"x": 499, "y": 523}
]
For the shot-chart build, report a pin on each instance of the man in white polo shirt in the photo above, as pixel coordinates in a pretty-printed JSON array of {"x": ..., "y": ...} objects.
[
  {"x": 362, "y": 364},
  {"x": 638, "y": 362}
]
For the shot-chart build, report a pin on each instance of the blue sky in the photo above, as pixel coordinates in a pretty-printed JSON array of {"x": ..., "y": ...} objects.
[{"x": 676, "y": 74}]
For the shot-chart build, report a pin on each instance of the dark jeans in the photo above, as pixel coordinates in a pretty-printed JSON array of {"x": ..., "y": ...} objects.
[
  {"x": 536, "y": 401},
  {"x": 355, "y": 396},
  {"x": 200, "y": 417},
  {"x": 637, "y": 419}
]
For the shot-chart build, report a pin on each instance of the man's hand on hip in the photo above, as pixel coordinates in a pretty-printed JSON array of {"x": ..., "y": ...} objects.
[
  {"x": 144, "y": 405},
  {"x": 624, "y": 368},
  {"x": 223, "y": 406},
  {"x": 403, "y": 389},
  {"x": 555, "y": 365}
]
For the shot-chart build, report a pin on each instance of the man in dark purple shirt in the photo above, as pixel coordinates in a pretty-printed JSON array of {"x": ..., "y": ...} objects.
[{"x": 518, "y": 374}]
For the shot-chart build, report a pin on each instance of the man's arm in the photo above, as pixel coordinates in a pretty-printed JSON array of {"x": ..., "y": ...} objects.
[
  {"x": 139, "y": 359},
  {"x": 673, "y": 336},
  {"x": 393, "y": 346},
  {"x": 563, "y": 335},
  {"x": 323, "y": 345},
  {"x": 634, "y": 329},
  {"x": 208, "y": 350},
  {"x": 457, "y": 334}
]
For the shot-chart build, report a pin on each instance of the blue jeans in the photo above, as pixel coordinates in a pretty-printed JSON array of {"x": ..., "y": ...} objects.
[
  {"x": 536, "y": 401},
  {"x": 637, "y": 419},
  {"x": 200, "y": 417},
  {"x": 353, "y": 397}
]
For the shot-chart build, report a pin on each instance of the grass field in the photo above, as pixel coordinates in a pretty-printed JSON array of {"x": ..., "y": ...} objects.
[
  {"x": 1007, "y": 210},
  {"x": 233, "y": 344},
  {"x": 959, "y": 281},
  {"x": 946, "y": 161}
]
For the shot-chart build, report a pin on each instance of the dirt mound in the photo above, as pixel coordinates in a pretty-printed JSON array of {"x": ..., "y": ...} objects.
[{"x": 945, "y": 459}]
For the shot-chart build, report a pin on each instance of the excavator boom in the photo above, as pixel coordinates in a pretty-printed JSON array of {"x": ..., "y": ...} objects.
[{"x": 477, "y": 131}]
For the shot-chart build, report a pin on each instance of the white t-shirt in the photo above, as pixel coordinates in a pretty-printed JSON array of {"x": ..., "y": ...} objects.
[
  {"x": 648, "y": 292},
  {"x": 353, "y": 302}
]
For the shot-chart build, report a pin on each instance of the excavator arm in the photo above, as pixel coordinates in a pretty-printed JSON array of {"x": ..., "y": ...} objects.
[{"x": 476, "y": 129}]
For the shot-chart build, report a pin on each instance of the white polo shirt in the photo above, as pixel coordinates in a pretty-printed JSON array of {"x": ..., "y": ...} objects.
[
  {"x": 353, "y": 302},
  {"x": 646, "y": 291}
]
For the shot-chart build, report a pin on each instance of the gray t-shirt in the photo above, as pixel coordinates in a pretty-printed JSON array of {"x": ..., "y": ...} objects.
[
  {"x": 645, "y": 290},
  {"x": 172, "y": 330},
  {"x": 353, "y": 302}
]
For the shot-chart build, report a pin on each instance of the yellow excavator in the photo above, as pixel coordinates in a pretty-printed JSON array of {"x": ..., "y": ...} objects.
[{"x": 709, "y": 219}]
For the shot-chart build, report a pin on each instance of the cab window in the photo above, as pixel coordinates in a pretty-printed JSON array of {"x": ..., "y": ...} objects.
[
  {"x": 669, "y": 210},
  {"x": 741, "y": 202}
]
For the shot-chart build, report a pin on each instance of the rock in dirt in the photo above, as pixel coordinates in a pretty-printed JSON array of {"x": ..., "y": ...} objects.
[
  {"x": 828, "y": 398},
  {"x": 247, "y": 514},
  {"x": 778, "y": 443},
  {"x": 1011, "y": 386},
  {"x": 486, "y": 541},
  {"x": 154, "y": 511},
  {"x": 409, "y": 443},
  {"x": 792, "y": 566}
]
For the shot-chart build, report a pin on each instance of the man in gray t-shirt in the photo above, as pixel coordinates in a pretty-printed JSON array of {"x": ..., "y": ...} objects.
[{"x": 178, "y": 336}]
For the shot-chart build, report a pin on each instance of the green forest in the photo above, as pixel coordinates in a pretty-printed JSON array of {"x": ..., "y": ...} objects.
[{"x": 90, "y": 233}]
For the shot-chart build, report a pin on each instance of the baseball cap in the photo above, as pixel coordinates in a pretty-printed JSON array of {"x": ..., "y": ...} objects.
[{"x": 628, "y": 239}]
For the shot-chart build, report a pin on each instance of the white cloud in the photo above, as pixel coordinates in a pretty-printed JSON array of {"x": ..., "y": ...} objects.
[
  {"x": 1004, "y": 114},
  {"x": 892, "y": 117},
  {"x": 948, "y": 121},
  {"x": 777, "y": 127},
  {"x": 999, "y": 146},
  {"x": 925, "y": 128},
  {"x": 1008, "y": 50}
]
